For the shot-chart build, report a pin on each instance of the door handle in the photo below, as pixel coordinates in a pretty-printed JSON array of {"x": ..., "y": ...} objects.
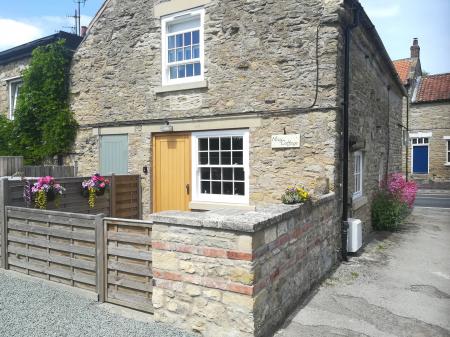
[{"x": 187, "y": 189}]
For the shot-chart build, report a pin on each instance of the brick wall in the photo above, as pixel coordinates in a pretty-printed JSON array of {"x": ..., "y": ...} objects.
[{"x": 225, "y": 274}]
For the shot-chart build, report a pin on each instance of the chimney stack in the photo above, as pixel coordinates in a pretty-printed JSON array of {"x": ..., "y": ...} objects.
[
  {"x": 83, "y": 31},
  {"x": 415, "y": 49}
]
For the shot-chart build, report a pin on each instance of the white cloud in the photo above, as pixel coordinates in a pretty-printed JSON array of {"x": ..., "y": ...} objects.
[
  {"x": 383, "y": 12},
  {"x": 15, "y": 33}
]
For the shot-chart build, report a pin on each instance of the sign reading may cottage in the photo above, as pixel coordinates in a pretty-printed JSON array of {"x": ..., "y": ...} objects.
[{"x": 285, "y": 141}]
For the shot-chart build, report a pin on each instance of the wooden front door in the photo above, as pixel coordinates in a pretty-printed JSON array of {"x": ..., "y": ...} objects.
[{"x": 171, "y": 172}]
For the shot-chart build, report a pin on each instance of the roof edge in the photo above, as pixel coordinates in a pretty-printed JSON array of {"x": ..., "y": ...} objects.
[{"x": 371, "y": 29}]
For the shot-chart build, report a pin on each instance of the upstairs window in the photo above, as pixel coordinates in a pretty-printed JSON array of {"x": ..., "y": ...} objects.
[
  {"x": 182, "y": 45},
  {"x": 14, "y": 90}
]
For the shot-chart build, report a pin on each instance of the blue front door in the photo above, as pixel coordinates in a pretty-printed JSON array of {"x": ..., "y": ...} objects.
[{"x": 420, "y": 159}]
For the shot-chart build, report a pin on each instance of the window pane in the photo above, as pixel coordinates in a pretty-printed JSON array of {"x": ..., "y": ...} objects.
[
  {"x": 203, "y": 144},
  {"x": 239, "y": 188},
  {"x": 196, "y": 37},
  {"x": 196, "y": 52},
  {"x": 180, "y": 55},
  {"x": 227, "y": 174},
  {"x": 189, "y": 70},
  {"x": 214, "y": 143},
  {"x": 425, "y": 140},
  {"x": 448, "y": 158},
  {"x": 414, "y": 141},
  {"x": 179, "y": 40},
  {"x": 216, "y": 173},
  {"x": 420, "y": 140},
  {"x": 237, "y": 143},
  {"x": 225, "y": 144},
  {"x": 237, "y": 158},
  {"x": 184, "y": 25},
  {"x": 203, "y": 158},
  {"x": 239, "y": 174},
  {"x": 173, "y": 72},
  {"x": 172, "y": 55},
  {"x": 214, "y": 158},
  {"x": 187, "y": 39},
  {"x": 205, "y": 173},
  {"x": 187, "y": 53},
  {"x": 171, "y": 42},
  {"x": 181, "y": 71},
  {"x": 228, "y": 188},
  {"x": 216, "y": 187},
  {"x": 226, "y": 158},
  {"x": 205, "y": 187},
  {"x": 197, "y": 69}
]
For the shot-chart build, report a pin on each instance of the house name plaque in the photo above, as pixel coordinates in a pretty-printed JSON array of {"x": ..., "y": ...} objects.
[{"x": 285, "y": 141}]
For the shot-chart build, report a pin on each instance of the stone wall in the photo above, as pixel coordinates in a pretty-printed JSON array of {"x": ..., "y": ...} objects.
[
  {"x": 240, "y": 273},
  {"x": 435, "y": 118},
  {"x": 375, "y": 114},
  {"x": 10, "y": 70},
  {"x": 271, "y": 170},
  {"x": 259, "y": 56}
]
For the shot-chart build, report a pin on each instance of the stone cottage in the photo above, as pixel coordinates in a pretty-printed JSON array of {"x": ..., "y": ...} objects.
[
  {"x": 226, "y": 103},
  {"x": 13, "y": 61},
  {"x": 426, "y": 152}
]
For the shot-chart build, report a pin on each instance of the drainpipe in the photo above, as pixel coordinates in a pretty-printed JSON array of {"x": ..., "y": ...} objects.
[{"x": 348, "y": 36}]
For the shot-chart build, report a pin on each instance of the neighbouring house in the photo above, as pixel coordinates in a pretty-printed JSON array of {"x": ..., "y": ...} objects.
[
  {"x": 224, "y": 104},
  {"x": 426, "y": 152},
  {"x": 13, "y": 61}
]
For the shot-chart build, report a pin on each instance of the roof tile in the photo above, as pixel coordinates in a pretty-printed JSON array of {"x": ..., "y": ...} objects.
[
  {"x": 403, "y": 68},
  {"x": 433, "y": 88}
]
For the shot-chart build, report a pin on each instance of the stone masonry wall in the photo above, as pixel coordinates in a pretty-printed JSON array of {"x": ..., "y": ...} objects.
[
  {"x": 375, "y": 114},
  {"x": 255, "y": 52},
  {"x": 10, "y": 70},
  {"x": 435, "y": 118},
  {"x": 271, "y": 170},
  {"x": 239, "y": 274}
]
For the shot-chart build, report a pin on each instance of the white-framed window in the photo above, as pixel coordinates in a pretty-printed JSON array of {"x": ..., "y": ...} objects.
[
  {"x": 358, "y": 174},
  {"x": 420, "y": 141},
  {"x": 220, "y": 171},
  {"x": 14, "y": 90},
  {"x": 448, "y": 151},
  {"x": 183, "y": 47}
]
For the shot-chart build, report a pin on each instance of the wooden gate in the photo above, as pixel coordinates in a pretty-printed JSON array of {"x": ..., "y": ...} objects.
[{"x": 128, "y": 263}]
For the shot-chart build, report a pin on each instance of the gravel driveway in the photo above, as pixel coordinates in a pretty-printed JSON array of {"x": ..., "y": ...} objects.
[{"x": 35, "y": 308}]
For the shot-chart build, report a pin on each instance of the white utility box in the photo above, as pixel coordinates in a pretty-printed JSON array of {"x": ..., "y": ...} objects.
[{"x": 354, "y": 235}]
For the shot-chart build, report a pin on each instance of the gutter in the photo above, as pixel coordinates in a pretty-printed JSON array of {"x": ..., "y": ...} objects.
[{"x": 356, "y": 9}]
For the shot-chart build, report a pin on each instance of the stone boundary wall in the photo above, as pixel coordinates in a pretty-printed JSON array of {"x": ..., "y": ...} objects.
[{"x": 240, "y": 273}]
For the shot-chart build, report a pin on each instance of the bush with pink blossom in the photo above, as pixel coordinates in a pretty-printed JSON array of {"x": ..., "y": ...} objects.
[{"x": 393, "y": 202}]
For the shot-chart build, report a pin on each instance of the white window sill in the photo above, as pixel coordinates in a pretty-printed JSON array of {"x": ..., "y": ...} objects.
[
  {"x": 208, "y": 206},
  {"x": 181, "y": 87},
  {"x": 447, "y": 164},
  {"x": 359, "y": 202}
]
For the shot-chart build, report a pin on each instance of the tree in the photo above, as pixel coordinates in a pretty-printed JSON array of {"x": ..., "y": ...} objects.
[{"x": 44, "y": 125}]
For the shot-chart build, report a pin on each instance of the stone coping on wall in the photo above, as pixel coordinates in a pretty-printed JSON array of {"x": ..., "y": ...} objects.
[{"x": 249, "y": 221}]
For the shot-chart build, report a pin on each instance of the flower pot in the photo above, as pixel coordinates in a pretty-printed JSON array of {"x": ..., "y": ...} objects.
[
  {"x": 51, "y": 195},
  {"x": 100, "y": 192}
]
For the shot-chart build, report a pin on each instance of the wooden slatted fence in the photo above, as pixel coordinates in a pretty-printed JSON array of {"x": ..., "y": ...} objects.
[
  {"x": 128, "y": 263},
  {"x": 121, "y": 200},
  {"x": 57, "y": 246}
]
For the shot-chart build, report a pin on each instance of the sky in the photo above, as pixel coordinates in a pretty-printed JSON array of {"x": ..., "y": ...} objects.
[{"x": 397, "y": 22}]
